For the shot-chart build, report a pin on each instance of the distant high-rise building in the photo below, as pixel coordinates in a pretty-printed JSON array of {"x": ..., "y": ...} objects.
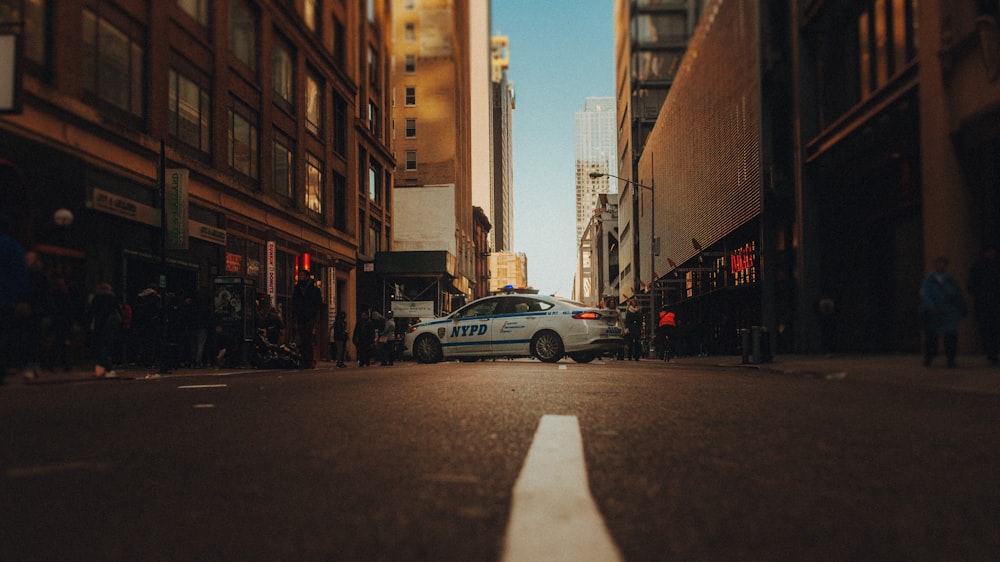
[
  {"x": 596, "y": 146},
  {"x": 502, "y": 157}
]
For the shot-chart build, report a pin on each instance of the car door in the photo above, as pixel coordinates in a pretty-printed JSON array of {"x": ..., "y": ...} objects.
[
  {"x": 469, "y": 332},
  {"x": 514, "y": 323}
]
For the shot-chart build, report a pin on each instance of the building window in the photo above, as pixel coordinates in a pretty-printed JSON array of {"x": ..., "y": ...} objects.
[
  {"x": 374, "y": 181},
  {"x": 373, "y": 68},
  {"x": 314, "y": 184},
  {"x": 197, "y": 9},
  {"x": 283, "y": 73},
  {"x": 339, "y": 202},
  {"x": 189, "y": 116},
  {"x": 112, "y": 64},
  {"x": 310, "y": 14},
  {"x": 314, "y": 104},
  {"x": 362, "y": 171},
  {"x": 374, "y": 120},
  {"x": 370, "y": 10},
  {"x": 411, "y": 160},
  {"x": 243, "y": 146},
  {"x": 411, "y": 95},
  {"x": 410, "y": 65},
  {"x": 283, "y": 180},
  {"x": 36, "y": 31},
  {"x": 340, "y": 124},
  {"x": 411, "y": 128},
  {"x": 243, "y": 33},
  {"x": 410, "y": 31},
  {"x": 886, "y": 41},
  {"x": 337, "y": 44}
]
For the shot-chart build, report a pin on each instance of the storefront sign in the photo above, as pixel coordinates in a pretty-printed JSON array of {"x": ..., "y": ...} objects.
[
  {"x": 413, "y": 309},
  {"x": 207, "y": 233},
  {"x": 234, "y": 263},
  {"x": 742, "y": 264},
  {"x": 123, "y": 207},
  {"x": 272, "y": 267},
  {"x": 175, "y": 200},
  {"x": 126, "y": 208}
]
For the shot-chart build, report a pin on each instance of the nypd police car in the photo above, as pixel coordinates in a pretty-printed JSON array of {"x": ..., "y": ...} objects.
[{"x": 518, "y": 325}]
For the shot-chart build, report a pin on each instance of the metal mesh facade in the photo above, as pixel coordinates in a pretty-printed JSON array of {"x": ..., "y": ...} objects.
[{"x": 704, "y": 154}]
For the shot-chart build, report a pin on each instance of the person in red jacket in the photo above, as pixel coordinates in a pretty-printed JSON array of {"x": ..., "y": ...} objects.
[{"x": 665, "y": 327}]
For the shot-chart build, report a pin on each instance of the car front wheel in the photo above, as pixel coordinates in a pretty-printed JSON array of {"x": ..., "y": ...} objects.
[
  {"x": 427, "y": 349},
  {"x": 548, "y": 347},
  {"x": 582, "y": 357}
]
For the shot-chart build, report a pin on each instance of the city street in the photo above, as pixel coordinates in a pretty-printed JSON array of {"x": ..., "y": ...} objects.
[{"x": 428, "y": 462}]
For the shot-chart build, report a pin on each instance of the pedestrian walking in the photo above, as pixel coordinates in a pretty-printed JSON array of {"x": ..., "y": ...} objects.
[
  {"x": 364, "y": 339},
  {"x": 983, "y": 284},
  {"x": 105, "y": 329},
  {"x": 942, "y": 307},
  {"x": 13, "y": 297},
  {"x": 307, "y": 302},
  {"x": 338, "y": 339},
  {"x": 388, "y": 340},
  {"x": 633, "y": 329}
]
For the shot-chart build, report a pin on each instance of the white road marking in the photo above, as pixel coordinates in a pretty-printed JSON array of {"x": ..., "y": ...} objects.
[
  {"x": 189, "y": 386},
  {"x": 553, "y": 516}
]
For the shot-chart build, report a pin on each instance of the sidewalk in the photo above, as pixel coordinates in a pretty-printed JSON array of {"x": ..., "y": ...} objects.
[{"x": 972, "y": 374}]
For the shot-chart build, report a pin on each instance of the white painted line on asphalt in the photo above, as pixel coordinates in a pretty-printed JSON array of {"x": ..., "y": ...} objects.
[
  {"x": 189, "y": 386},
  {"x": 553, "y": 516}
]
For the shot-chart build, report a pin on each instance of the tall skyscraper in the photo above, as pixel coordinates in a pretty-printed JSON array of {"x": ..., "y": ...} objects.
[
  {"x": 502, "y": 157},
  {"x": 596, "y": 145}
]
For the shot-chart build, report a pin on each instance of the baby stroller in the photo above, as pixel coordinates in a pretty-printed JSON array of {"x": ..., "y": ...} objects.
[{"x": 267, "y": 355}]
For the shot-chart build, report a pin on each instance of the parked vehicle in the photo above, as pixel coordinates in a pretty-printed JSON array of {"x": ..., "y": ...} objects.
[{"x": 545, "y": 327}]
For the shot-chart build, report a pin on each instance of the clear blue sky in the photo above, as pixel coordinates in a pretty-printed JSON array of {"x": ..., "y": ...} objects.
[{"x": 561, "y": 52}]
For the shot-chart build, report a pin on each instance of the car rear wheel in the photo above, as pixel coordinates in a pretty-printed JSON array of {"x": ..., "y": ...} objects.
[
  {"x": 427, "y": 349},
  {"x": 547, "y": 347},
  {"x": 583, "y": 356}
]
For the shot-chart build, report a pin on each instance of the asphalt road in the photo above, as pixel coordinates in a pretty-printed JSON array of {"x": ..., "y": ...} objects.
[{"x": 419, "y": 462}]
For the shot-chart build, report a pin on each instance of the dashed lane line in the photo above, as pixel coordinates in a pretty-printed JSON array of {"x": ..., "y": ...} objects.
[{"x": 553, "y": 516}]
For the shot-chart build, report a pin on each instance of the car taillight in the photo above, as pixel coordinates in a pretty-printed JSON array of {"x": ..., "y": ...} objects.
[{"x": 589, "y": 315}]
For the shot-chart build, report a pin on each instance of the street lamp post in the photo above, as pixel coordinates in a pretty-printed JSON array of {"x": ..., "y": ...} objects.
[{"x": 635, "y": 248}]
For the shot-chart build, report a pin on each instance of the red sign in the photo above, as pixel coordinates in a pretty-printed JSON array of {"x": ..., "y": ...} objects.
[{"x": 741, "y": 260}]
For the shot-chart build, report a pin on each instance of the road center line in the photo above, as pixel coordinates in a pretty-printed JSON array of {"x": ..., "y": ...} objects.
[{"x": 553, "y": 516}]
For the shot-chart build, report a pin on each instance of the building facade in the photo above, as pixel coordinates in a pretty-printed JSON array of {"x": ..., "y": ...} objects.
[
  {"x": 434, "y": 173},
  {"x": 824, "y": 151},
  {"x": 651, "y": 37},
  {"x": 256, "y": 131},
  {"x": 596, "y": 280}
]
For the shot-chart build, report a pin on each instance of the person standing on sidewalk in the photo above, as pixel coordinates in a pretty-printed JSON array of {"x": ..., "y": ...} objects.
[
  {"x": 307, "y": 301},
  {"x": 389, "y": 345},
  {"x": 338, "y": 339},
  {"x": 14, "y": 306},
  {"x": 105, "y": 328},
  {"x": 942, "y": 307},
  {"x": 633, "y": 329},
  {"x": 984, "y": 285}
]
